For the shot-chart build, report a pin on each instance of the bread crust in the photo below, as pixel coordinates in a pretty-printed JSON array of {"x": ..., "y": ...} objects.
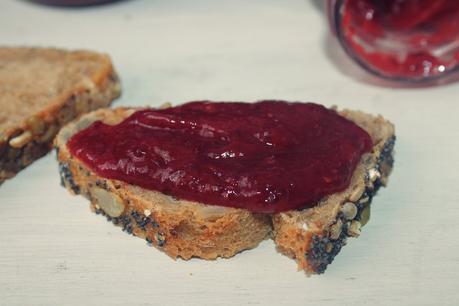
[
  {"x": 187, "y": 229},
  {"x": 28, "y": 127}
]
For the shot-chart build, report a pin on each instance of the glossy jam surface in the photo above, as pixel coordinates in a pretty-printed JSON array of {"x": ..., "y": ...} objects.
[
  {"x": 404, "y": 39},
  {"x": 268, "y": 156}
]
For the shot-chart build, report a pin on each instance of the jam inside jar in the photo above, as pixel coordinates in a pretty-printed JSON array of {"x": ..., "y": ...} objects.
[{"x": 404, "y": 40}]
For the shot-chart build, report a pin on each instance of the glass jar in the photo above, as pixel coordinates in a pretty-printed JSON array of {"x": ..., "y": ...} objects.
[{"x": 403, "y": 40}]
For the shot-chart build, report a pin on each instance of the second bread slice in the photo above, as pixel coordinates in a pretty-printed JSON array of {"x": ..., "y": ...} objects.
[{"x": 41, "y": 90}]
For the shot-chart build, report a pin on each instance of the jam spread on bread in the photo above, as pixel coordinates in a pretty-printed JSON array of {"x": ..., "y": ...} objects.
[{"x": 267, "y": 157}]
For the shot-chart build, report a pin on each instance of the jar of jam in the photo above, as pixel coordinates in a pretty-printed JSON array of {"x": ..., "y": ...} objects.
[{"x": 404, "y": 40}]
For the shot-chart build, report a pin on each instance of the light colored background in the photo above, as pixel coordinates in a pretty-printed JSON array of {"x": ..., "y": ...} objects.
[{"x": 54, "y": 251}]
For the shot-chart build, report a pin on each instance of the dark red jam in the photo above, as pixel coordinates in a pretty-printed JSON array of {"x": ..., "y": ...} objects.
[
  {"x": 401, "y": 39},
  {"x": 269, "y": 156}
]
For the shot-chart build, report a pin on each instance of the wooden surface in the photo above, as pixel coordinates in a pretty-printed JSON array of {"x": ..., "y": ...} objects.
[{"x": 53, "y": 251}]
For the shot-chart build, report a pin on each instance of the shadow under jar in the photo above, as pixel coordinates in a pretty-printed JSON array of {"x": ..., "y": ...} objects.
[
  {"x": 73, "y": 2},
  {"x": 414, "y": 41}
]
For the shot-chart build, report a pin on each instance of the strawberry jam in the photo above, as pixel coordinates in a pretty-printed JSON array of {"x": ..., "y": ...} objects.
[
  {"x": 269, "y": 156},
  {"x": 413, "y": 40}
]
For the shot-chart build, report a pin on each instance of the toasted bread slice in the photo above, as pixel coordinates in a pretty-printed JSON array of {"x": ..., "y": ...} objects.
[
  {"x": 188, "y": 229},
  {"x": 40, "y": 91}
]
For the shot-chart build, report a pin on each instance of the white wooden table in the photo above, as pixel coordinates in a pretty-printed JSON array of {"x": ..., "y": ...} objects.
[{"x": 53, "y": 251}]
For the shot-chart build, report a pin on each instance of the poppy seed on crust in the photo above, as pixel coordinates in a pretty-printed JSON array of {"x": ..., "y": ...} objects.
[
  {"x": 67, "y": 178},
  {"x": 387, "y": 153}
]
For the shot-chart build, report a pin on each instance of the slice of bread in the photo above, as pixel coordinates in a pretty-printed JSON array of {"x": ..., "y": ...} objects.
[
  {"x": 40, "y": 91},
  {"x": 188, "y": 229}
]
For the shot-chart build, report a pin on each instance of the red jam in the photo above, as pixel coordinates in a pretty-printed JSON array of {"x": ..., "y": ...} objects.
[
  {"x": 401, "y": 39},
  {"x": 267, "y": 157}
]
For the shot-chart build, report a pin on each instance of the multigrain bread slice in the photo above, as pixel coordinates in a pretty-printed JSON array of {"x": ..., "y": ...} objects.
[
  {"x": 42, "y": 89},
  {"x": 180, "y": 228},
  {"x": 188, "y": 229}
]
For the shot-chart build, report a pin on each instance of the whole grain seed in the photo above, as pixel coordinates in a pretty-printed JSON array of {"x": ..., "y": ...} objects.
[
  {"x": 357, "y": 193},
  {"x": 364, "y": 200},
  {"x": 110, "y": 203},
  {"x": 365, "y": 215},
  {"x": 354, "y": 229},
  {"x": 373, "y": 174},
  {"x": 335, "y": 229},
  {"x": 21, "y": 140},
  {"x": 349, "y": 210}
]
